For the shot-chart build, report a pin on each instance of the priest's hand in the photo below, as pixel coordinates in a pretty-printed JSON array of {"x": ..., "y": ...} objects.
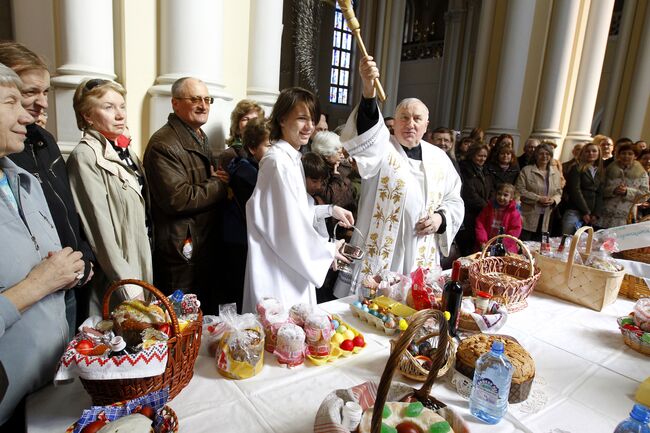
[
  {"x": 338, "y": 255},
  {"x": 344, "y": 216},
  {"x": 368, "y": 71},
  {"x": 428, "y": 225}
]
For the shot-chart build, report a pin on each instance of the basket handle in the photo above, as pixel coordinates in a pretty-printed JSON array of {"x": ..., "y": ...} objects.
[
  {"x": 176, "y": 330},
  {"x": 417, "y": 321},
  {"x": 334, "y": 239},
  {"x": 568, "y": 271},
  {"x": 524, "y": 248},
  {"x": 634, "y": 208}
]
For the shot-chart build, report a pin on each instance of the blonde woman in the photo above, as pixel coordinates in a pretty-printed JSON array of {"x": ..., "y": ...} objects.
[{"x": 109, "y": 189}]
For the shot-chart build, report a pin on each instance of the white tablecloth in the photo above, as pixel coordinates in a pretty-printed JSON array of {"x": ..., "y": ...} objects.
[{"x": 585, "y": 382}]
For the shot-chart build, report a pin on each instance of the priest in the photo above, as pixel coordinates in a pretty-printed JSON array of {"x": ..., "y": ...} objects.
[{"x": 410, "y": 207}]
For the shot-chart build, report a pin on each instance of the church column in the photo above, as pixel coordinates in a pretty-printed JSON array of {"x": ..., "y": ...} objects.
[
  {"x": 392, "y": 58},
  {"x": 85, "y": 47},
  {"x": 637, "y": 105},
  {"x": 520, "y": 16},
  {"x": 556, "y": 70},
  {"x": 469, "y": 42},
  {"x": 191, "y": 44},
  {"x": 453, "y": 47},
  {"x": 590, "y": 69},
  {"x": 479, "y": 70},
  {"x": 264, "y": 48},
  {"x": 616, "y": 79}
]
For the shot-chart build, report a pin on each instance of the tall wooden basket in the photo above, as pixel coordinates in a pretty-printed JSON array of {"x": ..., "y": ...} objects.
[
  {"x": 424, "y": 393},
  {"x": 508, "y": 279},
  {"x": 366, "y": 395},
  {"x": 183, "y": 348},
  {"x": 582, "y": 285}
]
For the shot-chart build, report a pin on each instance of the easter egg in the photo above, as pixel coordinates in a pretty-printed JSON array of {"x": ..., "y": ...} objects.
[
  {"x": 408, "y": 427},
  {"x": 335, "y": 323},
  {"x": 349, "y": 335},
  {"x": 347, "y": 345},
  {"x": 403, "y": 325},
  {"x": 341, "y": 329},
  {"x": 84, "y": 347},
  {"x": 338, "y": 338},
  {"x": 359, "y": 341}
]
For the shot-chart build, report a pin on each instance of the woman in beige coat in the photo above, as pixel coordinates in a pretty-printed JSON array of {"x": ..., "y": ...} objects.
[
  {"x": 109, "y": 189},
  {"x": 539, "y": 186}
]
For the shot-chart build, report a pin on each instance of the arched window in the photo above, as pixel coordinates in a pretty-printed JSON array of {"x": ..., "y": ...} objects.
[{"x": 341, "y": 60}]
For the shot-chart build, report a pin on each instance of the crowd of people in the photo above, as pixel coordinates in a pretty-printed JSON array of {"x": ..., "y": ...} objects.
[
  {"x": 269, "y": 205},
  {"x": 598, "y": 187}
]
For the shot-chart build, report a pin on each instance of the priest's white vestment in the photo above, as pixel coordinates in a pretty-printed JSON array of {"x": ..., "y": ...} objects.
[
  {"x": 396, "y": 192},
  {"x": 287, "y": 258}
]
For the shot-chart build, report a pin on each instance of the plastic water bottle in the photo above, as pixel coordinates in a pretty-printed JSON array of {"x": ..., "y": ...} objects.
[
  {"x": 637, "y": 422},
  {"x": 177, "y": 301},
  {"x": 492, "y": 376}
]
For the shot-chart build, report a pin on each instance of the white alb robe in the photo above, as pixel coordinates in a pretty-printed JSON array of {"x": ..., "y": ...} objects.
[
  {"x": 396, "y": 192},
  {"x": 287, "y": 258}
]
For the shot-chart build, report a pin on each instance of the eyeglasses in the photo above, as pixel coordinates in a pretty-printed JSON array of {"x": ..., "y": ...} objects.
[{"x": 197, "y": 99}]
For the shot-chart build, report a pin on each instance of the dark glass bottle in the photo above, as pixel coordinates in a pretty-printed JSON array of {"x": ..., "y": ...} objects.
[
  {"x": 452, "y": 296},
  {"x": 118, "y": 347},
  {"x": 498, "y": 249}
]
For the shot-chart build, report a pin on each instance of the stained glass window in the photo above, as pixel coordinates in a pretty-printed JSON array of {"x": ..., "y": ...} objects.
[{"x": 341, "y": 59}]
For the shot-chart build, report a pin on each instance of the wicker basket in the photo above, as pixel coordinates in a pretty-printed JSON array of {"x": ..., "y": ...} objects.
[
  {"x": 582, "y": 285},
  {"x": 398, "y": 349},
  {"x": 508, "y": 279},
  {"x": 634, "y": 287},
  {"x": 633, "y": 340},
  {"x": 410, "y": 367},
  {"x": 167, "y": 412},
  {"x": 637, "y": 254},
  {"x": 183, "y": 348}
]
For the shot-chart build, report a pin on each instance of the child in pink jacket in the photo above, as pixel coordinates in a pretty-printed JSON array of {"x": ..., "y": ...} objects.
[{"x": 499, "y": 212}]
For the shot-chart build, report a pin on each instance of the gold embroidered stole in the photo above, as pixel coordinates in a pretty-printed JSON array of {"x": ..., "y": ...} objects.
[{"x": 394, "y": 179}]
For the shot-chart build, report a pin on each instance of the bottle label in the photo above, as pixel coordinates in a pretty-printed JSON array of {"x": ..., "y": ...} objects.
[{"x": 485, "y": 390}]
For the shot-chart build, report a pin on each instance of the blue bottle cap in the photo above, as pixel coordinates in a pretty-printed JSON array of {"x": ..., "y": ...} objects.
[
  {"x": 177, "y": 296},
  {"x": 640, "y": 413},
  {"x": 497, "y": 347}
]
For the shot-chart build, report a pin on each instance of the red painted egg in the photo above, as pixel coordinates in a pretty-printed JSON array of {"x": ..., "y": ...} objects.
[
  {"x": 408, "y": 427},
  {"x": 359, "y": 341},
  {"x": 347, "y": 345},
  {"x": 84, "y": 346}
]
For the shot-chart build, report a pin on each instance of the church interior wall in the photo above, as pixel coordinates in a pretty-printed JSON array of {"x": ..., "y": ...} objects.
[
  {"x": 136, "y": 29},
  {"x": 630, "y": 63},
  {"x": 534, "y": 71},
  {"x": 423, "y": 82}
]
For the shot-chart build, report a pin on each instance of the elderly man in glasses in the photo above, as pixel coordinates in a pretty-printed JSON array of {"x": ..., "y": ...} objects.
[{"x": 185, "y": 190}]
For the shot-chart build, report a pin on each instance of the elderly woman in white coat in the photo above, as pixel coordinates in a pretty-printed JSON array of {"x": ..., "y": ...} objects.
[
  {"x": 109, "y": 189},
  {"x": 287, "y": 258}
]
